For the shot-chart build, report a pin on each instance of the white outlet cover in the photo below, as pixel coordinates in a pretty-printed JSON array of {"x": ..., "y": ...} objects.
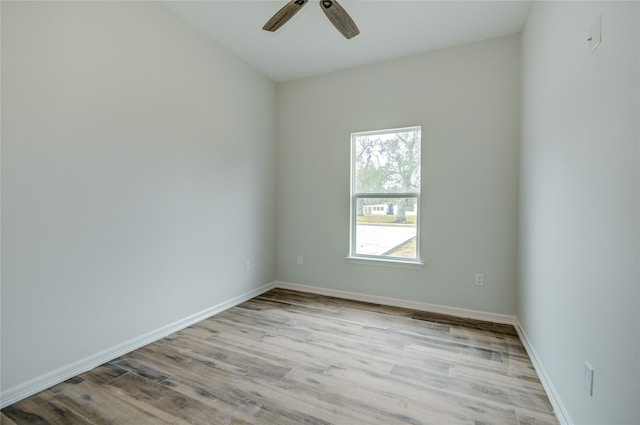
[
  {"x": 588, "y": 378},
  {"x": 595, "y": 35}
]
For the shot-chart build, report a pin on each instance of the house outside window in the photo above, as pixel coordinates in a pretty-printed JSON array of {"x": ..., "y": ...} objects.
[{"x": 385, "y": 195}]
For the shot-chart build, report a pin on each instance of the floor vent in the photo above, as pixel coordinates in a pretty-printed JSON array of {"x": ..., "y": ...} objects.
[{"x": 482, "y": 325}]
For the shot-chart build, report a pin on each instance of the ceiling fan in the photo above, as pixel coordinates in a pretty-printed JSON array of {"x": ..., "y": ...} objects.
[{"x": 336, "y": 14}]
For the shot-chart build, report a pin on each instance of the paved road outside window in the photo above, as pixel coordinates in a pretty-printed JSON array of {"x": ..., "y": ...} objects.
[{"x": 377, "y": 239}]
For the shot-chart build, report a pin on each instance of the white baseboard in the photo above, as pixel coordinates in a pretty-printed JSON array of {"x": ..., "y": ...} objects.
[
  {"x": 554, "y": 398},
  {"x": 54, "y": 377},
  {"x": 396, "y": 302}
]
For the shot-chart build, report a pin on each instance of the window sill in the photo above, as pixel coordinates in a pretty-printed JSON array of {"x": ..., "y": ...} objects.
[{"x": 404, "y": 264}]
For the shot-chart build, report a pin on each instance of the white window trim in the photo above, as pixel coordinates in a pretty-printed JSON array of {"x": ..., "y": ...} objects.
[
  {"x": 352, "y": 257},
  {"x": 384, "y": 261}
]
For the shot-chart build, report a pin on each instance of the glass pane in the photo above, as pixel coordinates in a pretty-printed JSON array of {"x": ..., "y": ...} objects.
[
  {"x": 387, "y": 162},
  {"x": 386, "y": 227}
]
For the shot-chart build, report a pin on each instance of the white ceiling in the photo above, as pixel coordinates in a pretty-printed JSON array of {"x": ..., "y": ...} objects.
[{"x": 309, "y": 45}]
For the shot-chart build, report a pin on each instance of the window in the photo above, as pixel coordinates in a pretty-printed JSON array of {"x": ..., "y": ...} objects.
[{"x": 385, "y": 195}]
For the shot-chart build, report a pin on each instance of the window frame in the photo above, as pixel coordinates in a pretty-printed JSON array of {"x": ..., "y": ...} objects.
[{"x": 353, "y": 202}]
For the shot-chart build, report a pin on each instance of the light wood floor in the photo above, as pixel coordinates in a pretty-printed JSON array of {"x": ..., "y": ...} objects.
[{"x": 295, "y": 358}]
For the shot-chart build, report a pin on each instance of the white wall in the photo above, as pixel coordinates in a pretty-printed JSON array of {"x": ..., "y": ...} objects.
[
  {"x": 579, "y": 205},
  {"x": 137, "y": 177},
  {"x": 467, "y": 101}
]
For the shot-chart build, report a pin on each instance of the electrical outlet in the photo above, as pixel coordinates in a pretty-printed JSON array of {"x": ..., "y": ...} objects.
[
  {"x": 299, "y": 259},
  {"x": 479, "y": 279},
  {"x": 247, "y": 265},
  {"x": 588, "y": 379}
]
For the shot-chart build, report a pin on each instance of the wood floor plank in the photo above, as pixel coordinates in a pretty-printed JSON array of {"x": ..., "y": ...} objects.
[
  {"x": 528, "y": 417},
  {"x": 167, "y": 400},
  {"x": 288, "y": 357},
  {"x": 102, "y": 406},
  {"x": 5, "y": 420},
  {"x": 498, "y": 377},
  {"x": 380, "y": 403},
  {"x": 43, "y": 411},
  {"x": 103, "y": 373}
]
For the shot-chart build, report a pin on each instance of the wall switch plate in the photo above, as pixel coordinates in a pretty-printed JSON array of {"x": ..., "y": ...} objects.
[
  {"x": 595, "y": 35},
  {"x": 588, "y": 379},
  {"x": 479, "y": 279},
  {"x": 299, "y": 259},
  {"x": 247, "y": 266}
]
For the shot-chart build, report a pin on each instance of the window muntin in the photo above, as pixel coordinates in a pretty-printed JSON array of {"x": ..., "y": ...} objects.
[{"x": 385, "y": 194}]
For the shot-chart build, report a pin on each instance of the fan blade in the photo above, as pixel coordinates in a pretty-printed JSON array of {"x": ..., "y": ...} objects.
[
  {"x": 339, "y": 18},
  {"x": 284, "y": 14}
]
